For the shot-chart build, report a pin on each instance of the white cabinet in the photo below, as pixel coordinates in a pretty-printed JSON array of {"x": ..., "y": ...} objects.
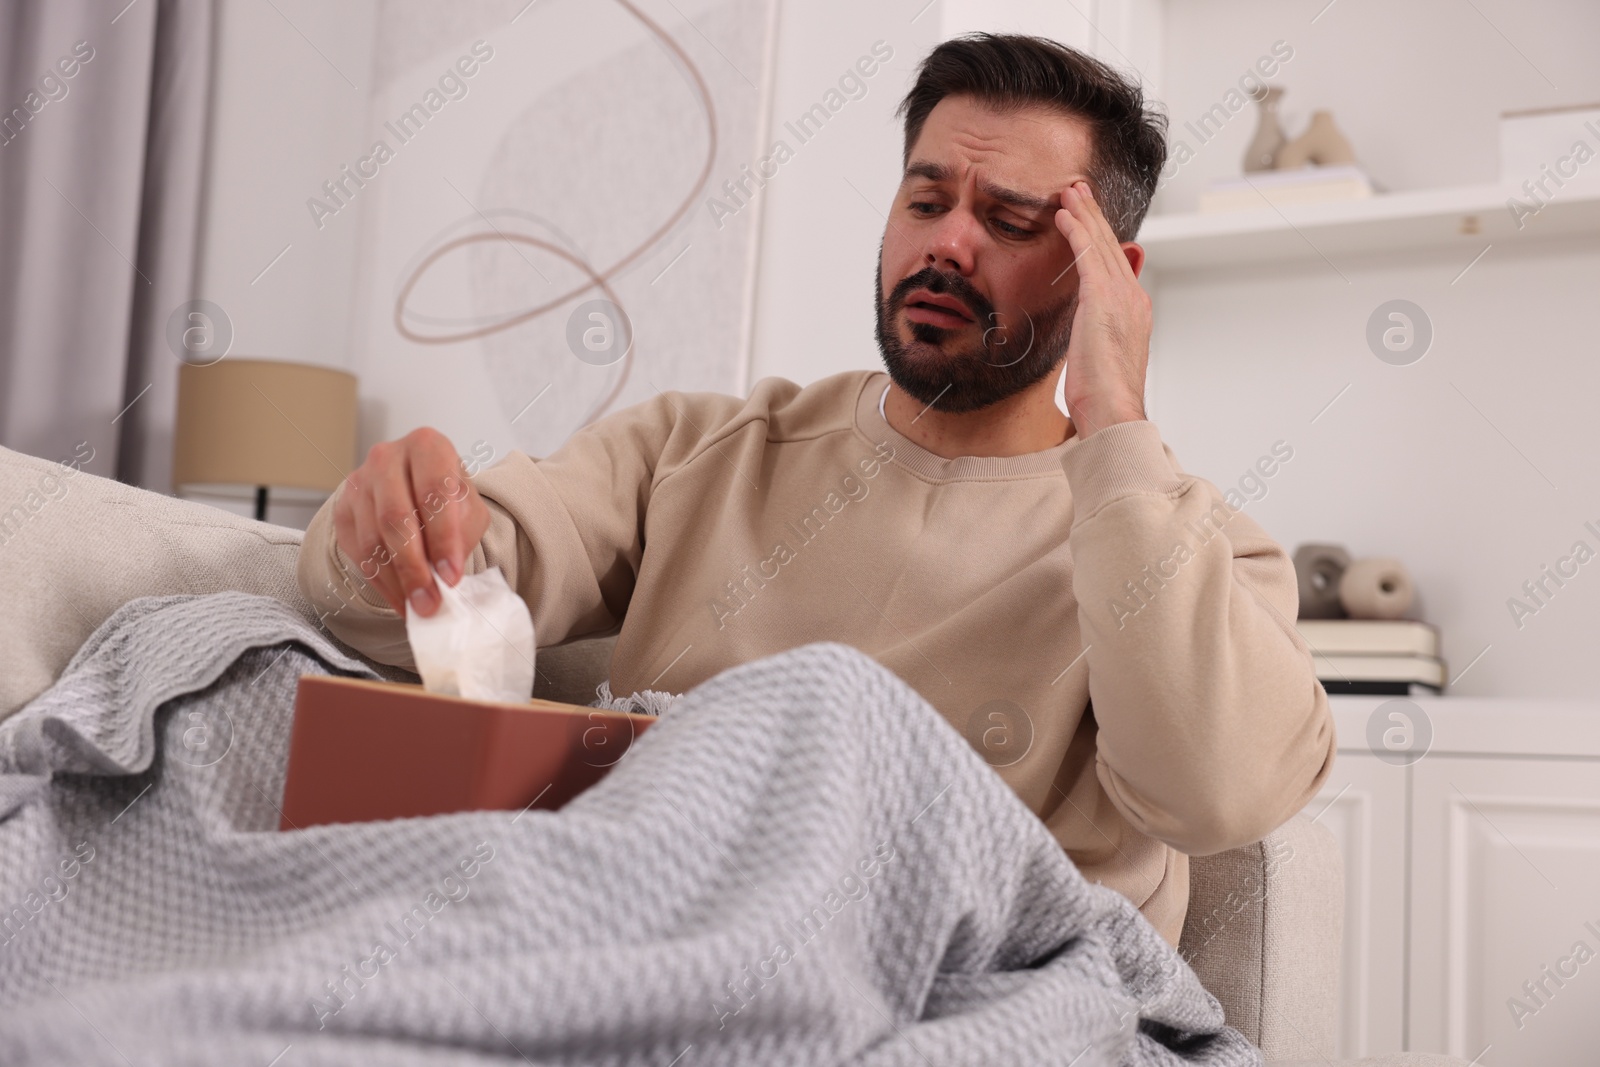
[
  {"x": 1363, "y": 804},
  {"x": 1472, "y": 882},
  {"x": 1505, "y": 923}
]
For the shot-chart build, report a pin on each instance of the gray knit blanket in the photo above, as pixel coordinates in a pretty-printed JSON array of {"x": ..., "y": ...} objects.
[{"x": 801, "y": 863}]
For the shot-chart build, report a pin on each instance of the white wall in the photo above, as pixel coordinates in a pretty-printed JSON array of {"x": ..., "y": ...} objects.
[
  {"x": 284, "y": 118},
  {"x": 823, "y": 213},
  {"x": 1447, "y": 464},
  {"x": 288, "y": 106}
]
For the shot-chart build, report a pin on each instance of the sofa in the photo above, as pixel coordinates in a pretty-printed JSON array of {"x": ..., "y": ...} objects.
[{"x": 1264, "y": 921}]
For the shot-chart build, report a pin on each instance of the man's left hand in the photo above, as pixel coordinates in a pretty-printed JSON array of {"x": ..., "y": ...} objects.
[{"x": 1110, "y": 347}]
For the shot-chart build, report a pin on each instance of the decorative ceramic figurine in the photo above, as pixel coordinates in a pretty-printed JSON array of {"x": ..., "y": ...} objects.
[
  {"x": 1322, "y": 144},
  {"x": 1263, "y": 151},
  {"x": 1318, "y": 569}
]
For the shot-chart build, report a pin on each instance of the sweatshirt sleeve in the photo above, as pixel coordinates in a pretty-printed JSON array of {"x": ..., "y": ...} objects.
[
  {"x": 566, "y": 530},
  {"x": 1212, "y": 727}
]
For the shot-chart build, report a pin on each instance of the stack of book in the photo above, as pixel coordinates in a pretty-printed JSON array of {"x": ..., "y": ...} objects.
[{"x": 1375, "y": 657}]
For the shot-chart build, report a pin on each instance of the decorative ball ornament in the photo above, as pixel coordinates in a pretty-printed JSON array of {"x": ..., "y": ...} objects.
[{"x": 1376, "y": 589}]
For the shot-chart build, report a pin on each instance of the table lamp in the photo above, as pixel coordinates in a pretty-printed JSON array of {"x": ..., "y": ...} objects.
[{"x": 257, "y": 425}]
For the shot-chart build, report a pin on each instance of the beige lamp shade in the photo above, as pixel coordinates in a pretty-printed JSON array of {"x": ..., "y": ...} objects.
[{"x": 256, "y": 422}]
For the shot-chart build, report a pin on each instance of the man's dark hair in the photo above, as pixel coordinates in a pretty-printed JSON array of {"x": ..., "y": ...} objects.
[{"x": 1009, "y": 71}]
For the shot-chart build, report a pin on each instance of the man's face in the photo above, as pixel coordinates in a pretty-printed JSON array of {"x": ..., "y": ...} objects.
[{"x": 974, "y": 220}]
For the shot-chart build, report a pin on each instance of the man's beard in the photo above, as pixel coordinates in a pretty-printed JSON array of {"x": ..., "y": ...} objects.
[{"x": 1006, "y": 359}]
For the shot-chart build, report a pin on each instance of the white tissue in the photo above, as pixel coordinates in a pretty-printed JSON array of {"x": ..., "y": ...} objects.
[{"x": 478, "y": 644}]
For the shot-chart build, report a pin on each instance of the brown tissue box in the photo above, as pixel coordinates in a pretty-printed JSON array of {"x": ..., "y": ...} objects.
[{"x": 363, "y": 750}]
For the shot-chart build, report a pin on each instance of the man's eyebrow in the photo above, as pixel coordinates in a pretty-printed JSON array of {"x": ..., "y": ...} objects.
[{"x": 939, "y": 172}]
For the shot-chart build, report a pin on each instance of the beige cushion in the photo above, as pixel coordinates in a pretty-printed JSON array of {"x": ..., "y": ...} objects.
[
  {"x": 75, "y": 547},
  {"x": 570, "y": 672}
]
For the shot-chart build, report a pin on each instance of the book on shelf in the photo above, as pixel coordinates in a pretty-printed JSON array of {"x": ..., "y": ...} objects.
[
  {"x": 1379, "y": 675},
  {"x": 1277, "y": 188},
  {"x": 1378, "y": 689},
  {"x": 1376, "y": 637}
]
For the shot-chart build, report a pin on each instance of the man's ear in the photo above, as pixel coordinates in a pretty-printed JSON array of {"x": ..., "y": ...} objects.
[{"x": 1135, "y": 254}]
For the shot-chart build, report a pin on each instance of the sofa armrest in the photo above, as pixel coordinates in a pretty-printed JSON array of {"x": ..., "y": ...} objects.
[{"x": 1263, "y": 932}]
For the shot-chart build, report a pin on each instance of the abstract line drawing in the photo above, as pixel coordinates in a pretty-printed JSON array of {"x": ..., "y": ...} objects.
[{"x": 422, "y": 329}]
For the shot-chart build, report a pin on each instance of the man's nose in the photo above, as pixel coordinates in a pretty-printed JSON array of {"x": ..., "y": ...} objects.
[{"x": 951, "y": 243}]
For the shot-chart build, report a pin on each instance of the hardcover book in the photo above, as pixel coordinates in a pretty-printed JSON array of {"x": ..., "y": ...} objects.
[
  {"x": 1379, "y": 675},
  {"x": 1370, "y": 637}
]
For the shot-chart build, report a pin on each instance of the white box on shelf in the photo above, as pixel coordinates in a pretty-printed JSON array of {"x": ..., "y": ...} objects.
[
  {"x": 1559, "y": 141},
  {"x": 1276, "y": 188}
]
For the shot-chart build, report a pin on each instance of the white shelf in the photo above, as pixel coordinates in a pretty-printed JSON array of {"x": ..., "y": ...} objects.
[
  {"x": 1464, "y": 219},
  {"x": 1485, "y": 726}
]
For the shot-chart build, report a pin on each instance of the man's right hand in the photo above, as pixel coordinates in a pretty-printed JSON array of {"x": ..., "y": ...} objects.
[{"x": 409, "y": 507}]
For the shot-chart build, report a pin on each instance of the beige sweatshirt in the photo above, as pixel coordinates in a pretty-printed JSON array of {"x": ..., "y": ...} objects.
[{"x": 1009, "y": 591}]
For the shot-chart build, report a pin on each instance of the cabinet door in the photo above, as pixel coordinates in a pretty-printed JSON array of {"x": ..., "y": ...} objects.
[
  {"x": 1505, "y": 923},
  {"x": 1364, "y": 804}
]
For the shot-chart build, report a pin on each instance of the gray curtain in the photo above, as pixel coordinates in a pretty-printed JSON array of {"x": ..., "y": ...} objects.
[{"x": 102, "y": 156}]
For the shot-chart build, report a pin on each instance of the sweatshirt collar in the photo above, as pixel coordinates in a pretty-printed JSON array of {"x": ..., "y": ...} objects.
[{"x": 925, "y": 464}]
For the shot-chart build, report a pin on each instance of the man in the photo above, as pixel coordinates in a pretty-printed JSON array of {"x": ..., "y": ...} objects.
[{"x": 947, "y": 518}]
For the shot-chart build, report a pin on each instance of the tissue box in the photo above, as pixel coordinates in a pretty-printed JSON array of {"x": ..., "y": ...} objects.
[{"x": 363, "y": 750}]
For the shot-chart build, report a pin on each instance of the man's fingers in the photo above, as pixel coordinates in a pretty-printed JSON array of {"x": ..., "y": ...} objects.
[
  {"x": 371, "y": 556},
  {"x": 1114, "y": 249},
  {"x": 1116, "y": 258},
  {"x": 1123, "y": 278},
  {"x": 399, "y": 524},
  {"x": 409, "y": 509},
  {"x": 357, "y": 536},
  {"x": 1087, "y": 249},
  {"x": 1099, "y": 255},
  {"x": 438, "y": 483}
]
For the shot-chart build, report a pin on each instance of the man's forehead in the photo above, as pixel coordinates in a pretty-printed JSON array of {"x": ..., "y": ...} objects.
[
  {"x": 1024, "y": 156},
  {"x": 943, "y": 173}
]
